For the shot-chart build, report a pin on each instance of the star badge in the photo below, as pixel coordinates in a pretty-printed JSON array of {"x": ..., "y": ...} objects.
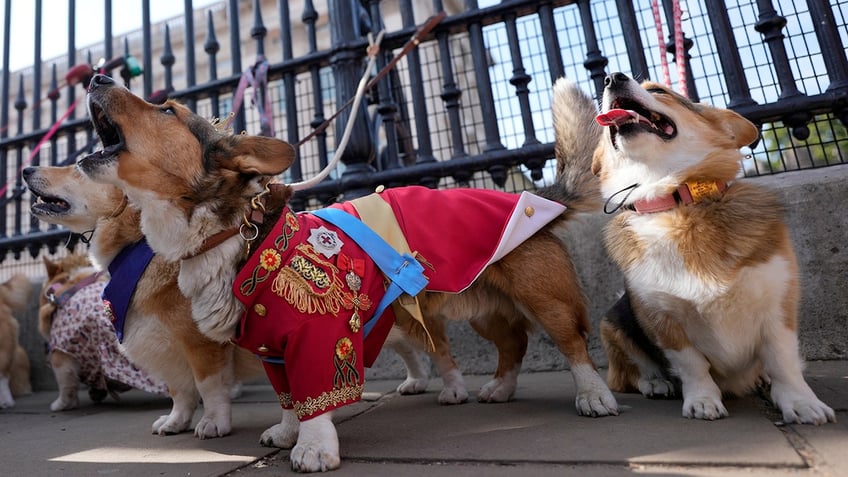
[{"x": 325, "y": 241}]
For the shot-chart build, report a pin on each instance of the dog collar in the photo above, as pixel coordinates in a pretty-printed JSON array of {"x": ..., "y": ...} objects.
[
  {"x": 60, "y": 299},
  {"x": 690, "y": 192},
  {"x": 249, "y": 228}
]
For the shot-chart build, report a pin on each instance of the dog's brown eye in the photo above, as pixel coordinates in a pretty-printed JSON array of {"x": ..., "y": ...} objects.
[
  {"x": 657, "y": 90},
  {"x": 168, "y": 110}
]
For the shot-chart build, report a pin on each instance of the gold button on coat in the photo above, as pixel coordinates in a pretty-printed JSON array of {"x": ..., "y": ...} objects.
[
  {"x": 260, "y": 309},
  {"x": 262, "y": 349},
  {"x": 529, "y": 211}
]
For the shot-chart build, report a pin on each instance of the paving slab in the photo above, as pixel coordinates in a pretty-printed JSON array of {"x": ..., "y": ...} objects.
[
  {"x": 537, "y": 434},
  {"x": 114, "y": 437},
  {"x": 541, "y": 425}
]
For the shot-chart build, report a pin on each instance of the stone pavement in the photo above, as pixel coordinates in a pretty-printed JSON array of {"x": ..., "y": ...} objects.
[{"x": 537, "y": 434}]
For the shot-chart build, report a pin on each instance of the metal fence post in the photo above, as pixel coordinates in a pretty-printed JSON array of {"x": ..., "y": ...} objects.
[{"x": 347, "y": 18}]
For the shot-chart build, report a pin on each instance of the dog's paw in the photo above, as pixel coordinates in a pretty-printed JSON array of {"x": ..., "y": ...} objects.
[
  {"x": 596, "y": 403},
  {"x": 413, "y": 386},
  {"x": 453, "y": 389},
  {"x": 497, "y": 390},
  {"x": 807, "y": 411},
  {"x": 63, "y": 404},
  {"x": 170, "y": 424},
  {"x": 456, "y": 394},
  {"x": 317, "y": 448},
  {"x": 6, "y": 399},
  {"x": 708, "y": 408},
  {"x": 284, "y": 434},
  {"x": 280, "y": 436},
  {"x": 655, "y": 388},
  {"x": 593, "y": 398},
  {"x": 209, "y": 427},
  {"x": 314, "y": 457}
]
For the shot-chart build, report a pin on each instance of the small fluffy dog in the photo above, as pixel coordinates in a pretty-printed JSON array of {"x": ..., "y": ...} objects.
[
  {"x": 158, "y": 333},
  {"x": 81, "y": 339},
  {"x": 300, "y": 291},
  {"x": 14, "y": 362},
  {"x": 711, "y": 277}
]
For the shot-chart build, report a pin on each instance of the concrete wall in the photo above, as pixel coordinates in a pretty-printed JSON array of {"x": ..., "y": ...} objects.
[{"x": 819, "y": 228}]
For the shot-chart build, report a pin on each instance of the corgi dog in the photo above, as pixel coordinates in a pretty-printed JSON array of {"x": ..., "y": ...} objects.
[
  {"x": 159, "y": 336},
  {"x": 14, "y": 362},
  {"x": 711, "y": 279},
  {"x": 302, "y": 291},
  {"x": 81, "y": 340}
]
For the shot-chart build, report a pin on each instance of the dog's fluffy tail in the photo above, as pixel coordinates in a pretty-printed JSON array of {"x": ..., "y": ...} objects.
[{"x": 576, "y": 135}]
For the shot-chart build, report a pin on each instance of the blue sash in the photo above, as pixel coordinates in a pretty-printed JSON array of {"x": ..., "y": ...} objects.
[{"x": 404, "y": 272}]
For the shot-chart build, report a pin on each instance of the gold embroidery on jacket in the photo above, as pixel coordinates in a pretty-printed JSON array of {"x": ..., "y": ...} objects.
[
  {"x": 327, "y": 399},
  {"x": 291, "y": 226},
  {"x": 310, "y": 284},
  {"x": 267, "y": 260},
  {"x": 285, "y": 400},
  {"x": 345, "y": 363}
]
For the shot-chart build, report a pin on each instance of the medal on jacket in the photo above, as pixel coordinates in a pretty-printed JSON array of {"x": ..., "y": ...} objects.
[
  {"x": 355, "y": 268},
  {"x": 325, "y": 241}
]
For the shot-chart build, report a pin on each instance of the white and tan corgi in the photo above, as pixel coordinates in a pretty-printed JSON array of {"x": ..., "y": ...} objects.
[
  {"x": 159, "y": 335},
  {"x": 710, "y": 274}
]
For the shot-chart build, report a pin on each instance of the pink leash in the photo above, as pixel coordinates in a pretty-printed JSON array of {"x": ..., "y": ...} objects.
[
  {"x": 256, "y": 76},
  {"x": 679, "y": 50}
]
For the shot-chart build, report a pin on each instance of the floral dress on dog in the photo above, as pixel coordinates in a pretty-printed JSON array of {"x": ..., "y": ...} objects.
[{"x": 82, "y": 328}]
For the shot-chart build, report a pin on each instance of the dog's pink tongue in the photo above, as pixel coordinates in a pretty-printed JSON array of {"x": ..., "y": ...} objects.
[{"x": 614, "y": 117}]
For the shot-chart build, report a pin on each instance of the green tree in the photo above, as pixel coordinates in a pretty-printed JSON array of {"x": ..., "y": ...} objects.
[{"x": 780, "y": 151}]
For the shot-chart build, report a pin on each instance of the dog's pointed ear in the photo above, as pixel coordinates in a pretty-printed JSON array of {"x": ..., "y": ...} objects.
[
  {"x": 743, "y": 132},
  {"x": 51, "y": 266},
  {"x": 256, "y": 155}
]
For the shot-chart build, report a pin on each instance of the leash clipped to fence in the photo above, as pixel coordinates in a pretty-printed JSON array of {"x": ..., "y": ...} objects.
[
  {"x": 362, "y": 87},
  {"x": 679, "y": 49},
  {"x": 255, "y": 76},
  {"x": 373, "y": 49}
]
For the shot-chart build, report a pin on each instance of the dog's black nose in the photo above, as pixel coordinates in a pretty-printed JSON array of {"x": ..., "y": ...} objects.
[
  {"x": 100, "y": 80},
  {"x": 28, "y": 171},
  {"x": 614, "y": 79}
]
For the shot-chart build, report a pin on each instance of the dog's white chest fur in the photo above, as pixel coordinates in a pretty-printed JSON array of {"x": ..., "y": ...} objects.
[
  {"x": 662, "y": 268},
  {"x": 722, "y": 311}
]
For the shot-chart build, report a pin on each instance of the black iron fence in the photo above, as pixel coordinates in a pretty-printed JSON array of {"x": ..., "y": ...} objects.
[{"x": 468, "y": 106}]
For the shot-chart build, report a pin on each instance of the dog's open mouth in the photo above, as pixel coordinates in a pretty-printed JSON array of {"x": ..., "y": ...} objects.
[
  {"x": 109, "y": 133},
  {"x": 47, "y": 205},
  {"x": 626, "y": 116}
]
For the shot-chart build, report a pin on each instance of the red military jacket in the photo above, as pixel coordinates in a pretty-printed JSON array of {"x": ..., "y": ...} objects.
[{"x": 309, "y": 288}]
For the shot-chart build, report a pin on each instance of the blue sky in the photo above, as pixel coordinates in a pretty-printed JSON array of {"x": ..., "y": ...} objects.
[{"x": 89, "y": 24}]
